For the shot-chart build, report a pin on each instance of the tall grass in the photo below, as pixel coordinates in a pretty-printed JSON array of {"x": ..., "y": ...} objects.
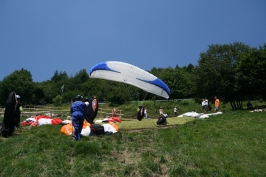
[{"x": 231, "y": 144}]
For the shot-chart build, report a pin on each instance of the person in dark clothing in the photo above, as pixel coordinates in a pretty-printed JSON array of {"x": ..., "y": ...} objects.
[
  {"x": 91, "y": 110},
  {"x": 249, "y": 105},
  {"x": 87, "y": 101},
  {"x": 9, "y": 122},
  {"x": 78, "y": 111},
  {"x": 140, "y": 113}
]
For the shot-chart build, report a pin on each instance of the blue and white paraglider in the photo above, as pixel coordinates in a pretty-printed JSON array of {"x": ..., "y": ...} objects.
[{"x": 130, "y": 74}]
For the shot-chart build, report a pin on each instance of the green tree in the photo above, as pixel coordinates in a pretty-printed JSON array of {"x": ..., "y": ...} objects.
[
  {"x": 20, "y": 81},
  {"x": 53, "y": 87},
  {"x": 57, "y": 101},
  {"x": 188, "y": 83},
  {"x": 75, "y": 83},
  {"x": 175, "y": 81},
  {"x": 59, "y": 77},
  {"x": 179, "y": 80},
  {"x": 217, "y": 74},
  {"x": 251, "y": 73}
]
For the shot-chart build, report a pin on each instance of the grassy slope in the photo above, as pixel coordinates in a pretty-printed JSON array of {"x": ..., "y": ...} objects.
[{"x": 231, "y": 144}]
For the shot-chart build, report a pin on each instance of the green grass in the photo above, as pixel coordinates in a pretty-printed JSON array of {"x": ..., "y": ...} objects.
[
  {"x": 231, "y": 144},
  {"x": 130, "y": 124}
]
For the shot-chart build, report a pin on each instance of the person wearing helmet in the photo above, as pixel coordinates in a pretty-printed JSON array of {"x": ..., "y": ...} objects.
[
  {"x": 78, "y": 110},
  {"x": 87, "y": 101},
  {"x": 92, "y": 110},
  {"x": 18, "y": 111}
]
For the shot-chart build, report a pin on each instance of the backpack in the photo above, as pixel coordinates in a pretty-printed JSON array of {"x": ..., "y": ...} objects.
[
  {"x": 91, "y": 111},
  {"x": 161, "y": 121},
  {"x": 140, "y": 113},
  {"x": 97, "y": 129}
]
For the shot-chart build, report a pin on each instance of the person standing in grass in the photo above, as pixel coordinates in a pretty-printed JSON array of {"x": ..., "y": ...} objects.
[
  {"x": 114, "y": 112},
  {"x": 175, "y": 111},
  {"x": 18, "y": 111},
  {"x": 161, "y": 111},
  {"x": 217, "y": 104},
  {"x": 145, "y": 113},
  {"x": 78, "y": 111},
  {"x": 206, "y": 105}
]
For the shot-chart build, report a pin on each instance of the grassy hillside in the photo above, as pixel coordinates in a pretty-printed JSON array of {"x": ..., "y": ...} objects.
[{"x": 231, "y": 144}]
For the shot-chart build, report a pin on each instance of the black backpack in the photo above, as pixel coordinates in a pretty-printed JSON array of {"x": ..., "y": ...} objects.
[
  {"x": 161, "y": 121},
  {"x": 91, "y": 110},
  {"x": 140, "y": 113},
  {"x": 97, "y": 129}
]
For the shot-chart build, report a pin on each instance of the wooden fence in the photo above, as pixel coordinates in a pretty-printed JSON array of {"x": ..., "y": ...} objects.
[{"x": 62, "y": 111}]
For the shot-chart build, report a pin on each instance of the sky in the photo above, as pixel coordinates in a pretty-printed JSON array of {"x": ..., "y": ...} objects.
[{"x": 45, "y": 36}]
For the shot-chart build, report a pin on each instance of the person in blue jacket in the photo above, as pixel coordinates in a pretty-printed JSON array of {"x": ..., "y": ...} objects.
[{"x": 78, "y": 110}]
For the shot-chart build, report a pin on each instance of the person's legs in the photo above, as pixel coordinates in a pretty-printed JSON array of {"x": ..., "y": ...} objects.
[
  {"x": 205, "y": 108},
  {"x": 73, "y": 132},
  {"x": 81, "y": 121},
  {"x": 76, "y": 127}
]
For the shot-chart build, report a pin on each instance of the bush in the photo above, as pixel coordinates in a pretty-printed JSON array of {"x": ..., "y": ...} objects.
[{"x": 57, "y": 101}]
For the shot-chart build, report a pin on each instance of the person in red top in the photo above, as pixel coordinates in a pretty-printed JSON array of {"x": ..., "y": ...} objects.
[
  {"x": 114, "y": 112},
  {"x": 216, "y": 104}
]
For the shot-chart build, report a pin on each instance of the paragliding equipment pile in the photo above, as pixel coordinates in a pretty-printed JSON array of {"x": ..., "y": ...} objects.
[
  {"x": 162, "y": 119},
  {"x": 140, "y": 113}
]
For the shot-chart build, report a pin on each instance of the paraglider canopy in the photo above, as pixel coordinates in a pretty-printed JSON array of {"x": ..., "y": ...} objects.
[{"x": 130, "y": 74}]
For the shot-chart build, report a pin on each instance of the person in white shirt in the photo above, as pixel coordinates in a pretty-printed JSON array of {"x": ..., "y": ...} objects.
[
  {"x": 203, "y": 104},
  {"x": 145, "y": 114},
  {"x": 206, "y": 104},
  {"x": 175, "y": 111}
]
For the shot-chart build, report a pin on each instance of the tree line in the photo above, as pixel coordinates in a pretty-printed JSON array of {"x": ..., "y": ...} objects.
[{"x": 234, "y": 72}]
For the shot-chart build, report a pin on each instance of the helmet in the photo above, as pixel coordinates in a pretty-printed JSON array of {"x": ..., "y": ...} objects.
[
  {"x": 79, "y": 97},
  {"x": 17, "y": 96}
]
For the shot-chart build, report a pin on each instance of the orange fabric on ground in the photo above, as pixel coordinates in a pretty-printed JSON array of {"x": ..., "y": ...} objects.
[
  {"x": 115, "y": 126},
  {"x": 67, "y": 129}
]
